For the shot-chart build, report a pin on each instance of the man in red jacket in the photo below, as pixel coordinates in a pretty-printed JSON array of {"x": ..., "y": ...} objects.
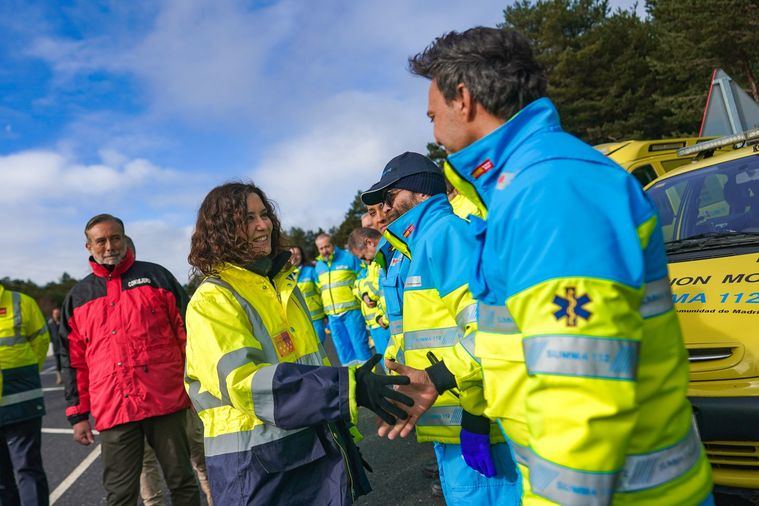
[{"x": 122, "y": 355}]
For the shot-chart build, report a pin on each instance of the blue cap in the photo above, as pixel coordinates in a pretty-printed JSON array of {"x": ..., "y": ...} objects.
[{"x": 429, "y": 178}]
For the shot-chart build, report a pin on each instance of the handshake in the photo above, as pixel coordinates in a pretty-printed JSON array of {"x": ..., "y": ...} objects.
[{"x": 398, "y": 400}]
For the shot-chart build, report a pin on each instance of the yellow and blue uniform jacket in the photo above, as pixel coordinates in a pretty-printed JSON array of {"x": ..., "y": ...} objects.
[
  {"x": 367, "y": 283},
  {"x": 335, "y": 277},
  {"x": 437, "y": 310},
  {"x": 24, "y": 340},
  {"x": 275, "y": 417},
  {"x": 582, "y": 356},
  {"x": 306, "y": 276}
]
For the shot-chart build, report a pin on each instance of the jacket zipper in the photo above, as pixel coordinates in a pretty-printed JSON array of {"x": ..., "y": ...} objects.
[{"x": 345, "y": 461}]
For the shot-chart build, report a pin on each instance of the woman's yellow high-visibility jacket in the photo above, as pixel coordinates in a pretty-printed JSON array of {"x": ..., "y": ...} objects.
[{"x": 275, "y": 415}]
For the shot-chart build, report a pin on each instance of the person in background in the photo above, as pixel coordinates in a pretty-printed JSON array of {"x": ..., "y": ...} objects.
[
  {"x": 24, "y": 341},
  {"x": 367, "y": 221},
  {"x": 306, "y": 276},
  {"x": 336, "y": 272},
  {"x": 363, "y": 243},
  {"x": 122, "y": 355},
  {"x": 52, "y": 326},
  {"x": 276, "y": 416}
]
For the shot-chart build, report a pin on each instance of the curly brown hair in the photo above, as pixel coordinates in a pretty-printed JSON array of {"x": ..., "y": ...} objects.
[{"x": 217, "y": 237}]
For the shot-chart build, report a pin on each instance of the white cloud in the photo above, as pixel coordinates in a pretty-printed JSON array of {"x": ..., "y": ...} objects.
[{"x": 314, "y": 176}]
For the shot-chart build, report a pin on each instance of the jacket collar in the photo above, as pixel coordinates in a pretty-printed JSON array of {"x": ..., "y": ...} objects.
[
  {"x": 403, "y": 234},
  {"x": 272, "y": 267},
  {"x": 102, "y": 271},
  {"x": 478, "y": 168}
]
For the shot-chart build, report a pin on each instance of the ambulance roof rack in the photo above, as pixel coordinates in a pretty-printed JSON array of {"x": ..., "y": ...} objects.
[{"x": 744, "y": 137}]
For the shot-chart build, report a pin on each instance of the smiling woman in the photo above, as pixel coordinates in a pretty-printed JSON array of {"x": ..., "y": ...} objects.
[{"x": 276, "y": 420}]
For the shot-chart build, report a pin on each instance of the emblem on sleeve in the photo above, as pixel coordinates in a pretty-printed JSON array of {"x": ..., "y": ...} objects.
[{"x": 571, "y": 306}]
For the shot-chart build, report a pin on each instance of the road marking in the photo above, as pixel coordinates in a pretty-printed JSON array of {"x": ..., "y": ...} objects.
[
  {"x": 64, "y": 431},
  {"x": 52, "y": 389},
  {"x": 75, "y": 474}
]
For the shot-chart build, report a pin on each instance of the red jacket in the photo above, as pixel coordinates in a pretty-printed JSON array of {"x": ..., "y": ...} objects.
[{"x": 122, "y": 344}]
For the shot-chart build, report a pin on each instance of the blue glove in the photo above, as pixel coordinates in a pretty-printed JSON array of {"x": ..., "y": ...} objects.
[{"x": 475, "y": 444}]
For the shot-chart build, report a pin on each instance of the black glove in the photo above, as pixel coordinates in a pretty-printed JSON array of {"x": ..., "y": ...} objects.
[{"x": 373, "y": 392}]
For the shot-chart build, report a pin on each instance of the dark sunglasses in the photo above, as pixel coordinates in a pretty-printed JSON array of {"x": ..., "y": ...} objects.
[{"x": 390, "y": 196}]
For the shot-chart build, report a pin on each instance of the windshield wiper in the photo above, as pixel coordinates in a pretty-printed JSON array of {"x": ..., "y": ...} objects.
[{"x": 711, "y": 239}]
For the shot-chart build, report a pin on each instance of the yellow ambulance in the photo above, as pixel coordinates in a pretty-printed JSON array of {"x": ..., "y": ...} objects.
[{"x": 709, "y": 211}]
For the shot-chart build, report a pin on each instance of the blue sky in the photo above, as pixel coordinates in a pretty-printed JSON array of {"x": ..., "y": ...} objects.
[{"x": 139, "y": 108}]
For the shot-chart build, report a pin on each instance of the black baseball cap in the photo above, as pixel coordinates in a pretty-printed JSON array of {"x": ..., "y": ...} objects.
[{"x": 429, "y": 178}]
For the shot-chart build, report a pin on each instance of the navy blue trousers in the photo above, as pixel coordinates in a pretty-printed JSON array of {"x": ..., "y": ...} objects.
[{"x": 20, "y": 451}]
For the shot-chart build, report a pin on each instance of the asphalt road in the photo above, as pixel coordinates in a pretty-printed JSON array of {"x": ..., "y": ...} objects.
[{"x": 74, "y": 471}]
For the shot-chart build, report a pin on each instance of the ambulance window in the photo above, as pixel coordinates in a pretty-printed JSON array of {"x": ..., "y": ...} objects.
[
  {"x": 644, "y": 174},
  {"x": 667, "y": 199},
  {"x": 711, "y": 198}
]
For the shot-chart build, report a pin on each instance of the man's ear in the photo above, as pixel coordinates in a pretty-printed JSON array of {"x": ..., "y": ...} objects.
[{"x": 464, "y": 102}]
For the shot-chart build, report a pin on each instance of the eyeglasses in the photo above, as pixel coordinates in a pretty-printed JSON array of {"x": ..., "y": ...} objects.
[{"x": 390, "y": 196}]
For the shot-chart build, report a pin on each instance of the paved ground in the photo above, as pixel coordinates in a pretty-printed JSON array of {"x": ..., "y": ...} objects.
[{"x": 74, "y": 471}]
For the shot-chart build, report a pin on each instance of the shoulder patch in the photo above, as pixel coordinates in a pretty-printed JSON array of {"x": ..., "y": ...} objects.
[{"x": 413, "y": 282}]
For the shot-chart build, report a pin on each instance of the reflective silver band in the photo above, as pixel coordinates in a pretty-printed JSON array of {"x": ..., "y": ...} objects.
[
  {"x": 657, "y": 298},
  {"x": 310, "y": 359},
  {"x": 342, "y": 307},
  {"x": 35, "y": 335},
  {"x": 231, "y": 361},
  {"x": 396, "y": 326},
  {"x": 468, "y": 343},
  {"x": 28, "y": 395},
  {"x": 201, "y": 400},
  {"x": 467, "y": 316},
  {"x": 441, "y": 416},
  {"x": 640, "y": 472},
  {"x": 430, "y": 338},
  {"x": 337, "y": 284},
  {"x": 10, "y": 341},
  {"x": 256, "y": 323},
  {"x": 262, "y": 387},
  {"x": 495, "y": 319},
  {"x": 16, "y": 298},
  {"x": 589, "y": 357},
  {"x": 656, "y": 468},
  {"x": 243, "y": 441},
  {"x": 400, "y": 356},
  {"x": 317, "y": 314},
  {"x": 309, "y": 293}
]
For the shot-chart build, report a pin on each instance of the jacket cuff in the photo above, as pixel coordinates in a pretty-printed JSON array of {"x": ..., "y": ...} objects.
[
  {"x": 352, "y": 404},
  {"x": 75, "y": 419},
  {"x": 441, "y": 377},
  {"x": 474, "y": 423}
]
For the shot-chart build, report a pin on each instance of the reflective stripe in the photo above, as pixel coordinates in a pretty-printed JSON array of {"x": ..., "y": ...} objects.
[
  {"x": 656, "y": 468},
  {"x": 657, "y": 298},
  {"x": 316, "y": 314},
  {"x": 243, "y": 441},
  {"x": 201, "y": 400},
  {"x": 309, "y": 293},
  {"x": 569, "y": 486},
  {"x": 16, "y": 298},
  {"x": 430, "y": 338},
  {"x": 262, "y": 387},
  {"x": 231, "y": 361},
  {"x": 592, "y": 357},
  {"x": 466, "y": 316},
  {"x": 496, "y": 319},
  {"x": 344, "y": 306},
  {"x": 396, "y": 326},
  {"x": 10, "y": 341},
  {"x": 28, "y": 395},
  {"x": 468, "y": 343},
  {"x": 441, "y": 416},
  {"x": 310, "y": 359},
  {"x": 35, "y": 335},
  {"x": 337, "y": 284},
  {"x": 256, "y": 323},
  {"x": 400, "y": 356},
  {"x": 640, "y": 472}
]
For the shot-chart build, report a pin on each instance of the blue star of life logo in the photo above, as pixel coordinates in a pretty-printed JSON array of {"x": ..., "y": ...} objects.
[{"x": 571, "y": 307}]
